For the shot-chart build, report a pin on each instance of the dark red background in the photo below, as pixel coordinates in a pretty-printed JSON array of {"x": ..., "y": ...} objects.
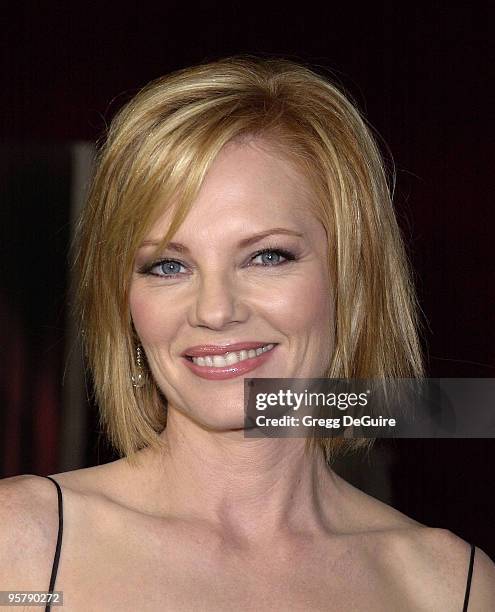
[{"x": 424, "y": 77}]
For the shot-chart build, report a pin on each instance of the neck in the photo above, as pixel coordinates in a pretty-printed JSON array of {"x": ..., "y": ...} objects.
[{"x": 263, "y": 487}]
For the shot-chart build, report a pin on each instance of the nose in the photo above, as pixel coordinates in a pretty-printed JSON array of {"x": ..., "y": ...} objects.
[{"x": 217, "y": 303}]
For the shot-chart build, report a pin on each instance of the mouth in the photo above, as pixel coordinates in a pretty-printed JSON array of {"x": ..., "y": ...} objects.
[
  {"x": 228, "y": 358},
  {"x": 225, "y": 362}
]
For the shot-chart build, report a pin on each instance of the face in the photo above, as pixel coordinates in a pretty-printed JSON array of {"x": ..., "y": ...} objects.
[{"x": 242, "y": 291}]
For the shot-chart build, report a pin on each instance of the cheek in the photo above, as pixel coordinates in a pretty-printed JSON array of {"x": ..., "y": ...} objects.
[
  {"x": 305, "y": 305},
  {"x": 153, "y": 318}
]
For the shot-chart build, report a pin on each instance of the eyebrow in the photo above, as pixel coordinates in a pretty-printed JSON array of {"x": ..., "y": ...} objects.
[{"x": 180, "y": 248}]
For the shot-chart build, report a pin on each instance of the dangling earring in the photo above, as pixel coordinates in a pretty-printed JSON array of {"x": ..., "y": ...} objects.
[{"x": 139, "y": 377}]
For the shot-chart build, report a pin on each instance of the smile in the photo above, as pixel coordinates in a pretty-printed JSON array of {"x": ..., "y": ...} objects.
[
  {"x": 227, "y": 364},
  {"x": 230, "y": 358}
]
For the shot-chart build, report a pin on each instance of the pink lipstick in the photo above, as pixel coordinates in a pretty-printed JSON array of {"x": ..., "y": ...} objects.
[{"x": 220, "y": 362}]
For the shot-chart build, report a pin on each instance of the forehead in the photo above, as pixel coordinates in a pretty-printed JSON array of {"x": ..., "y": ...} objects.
[{"x": 249, "y": 187}]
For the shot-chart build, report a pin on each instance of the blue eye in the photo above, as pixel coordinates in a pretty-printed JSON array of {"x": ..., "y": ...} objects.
[
  {"x": 274, "y": 257},
  {"x": 167, "y": 267},
  {"x": 170, "y": 268}
]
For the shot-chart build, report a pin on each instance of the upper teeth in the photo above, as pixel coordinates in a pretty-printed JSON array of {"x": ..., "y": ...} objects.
[{"x": 220, "y": 361}]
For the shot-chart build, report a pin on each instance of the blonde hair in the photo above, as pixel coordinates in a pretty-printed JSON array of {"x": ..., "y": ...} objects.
[{"x": 158, "y": 149}]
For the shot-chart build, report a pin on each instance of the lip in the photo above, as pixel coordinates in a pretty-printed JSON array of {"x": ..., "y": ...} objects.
[
  {"x": 231, "y": 371},
  {"x": 201, "y": 350}
]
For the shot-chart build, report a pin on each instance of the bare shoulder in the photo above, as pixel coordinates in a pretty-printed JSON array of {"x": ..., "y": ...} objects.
[
  {"x": 427, "y": 566},
  {"x": 482, "y": 595},
  {"x": 28, "y": 531},
  {"x": 29, "y": 519},
  {"x": 435, "y": 565}
]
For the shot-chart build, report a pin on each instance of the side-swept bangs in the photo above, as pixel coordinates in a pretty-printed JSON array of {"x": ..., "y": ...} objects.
[{"x": 157, "y": 152}]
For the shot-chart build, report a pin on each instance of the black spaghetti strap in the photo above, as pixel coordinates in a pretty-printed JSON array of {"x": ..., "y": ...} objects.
[
  {"x": 470, "y": 575},
  {"x": 56, "y": 559}
]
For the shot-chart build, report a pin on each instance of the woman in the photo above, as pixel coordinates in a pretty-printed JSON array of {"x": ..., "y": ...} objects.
[{"x": 239, "y": 225}]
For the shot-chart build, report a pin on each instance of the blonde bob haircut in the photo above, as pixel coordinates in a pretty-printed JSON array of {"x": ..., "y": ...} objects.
[{"x": 157, "y": 151}]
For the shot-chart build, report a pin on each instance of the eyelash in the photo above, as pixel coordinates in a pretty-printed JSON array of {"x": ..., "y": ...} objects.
[{"x": 287, "y": 255}]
